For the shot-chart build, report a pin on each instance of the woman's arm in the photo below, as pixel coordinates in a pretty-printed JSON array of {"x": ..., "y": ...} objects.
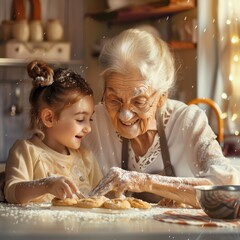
[
  {"x": 175, "y": 188},
  {"x": 178, "y": 189}
]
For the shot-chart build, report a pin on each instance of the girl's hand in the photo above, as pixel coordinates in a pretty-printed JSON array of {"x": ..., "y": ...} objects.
[
  {"x": 119, "y": 181},
  {"x": 61, "y": 187}
]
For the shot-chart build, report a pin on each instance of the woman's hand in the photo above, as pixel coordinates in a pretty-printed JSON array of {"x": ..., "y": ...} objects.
[
  {"x": 61, "y": 187},
  {"x": 119, "y": 181},
  {"x": 173, "y": 188}
]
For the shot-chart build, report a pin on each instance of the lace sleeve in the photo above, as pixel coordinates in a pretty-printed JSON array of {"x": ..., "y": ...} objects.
[{"x": 207, "y": 154}]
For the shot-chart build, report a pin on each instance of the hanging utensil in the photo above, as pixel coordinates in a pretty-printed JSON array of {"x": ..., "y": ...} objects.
[{"x": 16, "y": 108}]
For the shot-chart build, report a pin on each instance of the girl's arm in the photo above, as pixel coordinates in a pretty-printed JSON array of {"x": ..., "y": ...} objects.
[
  {"x": 20, "y": 186},
  {"x": 60, "y": 187}
]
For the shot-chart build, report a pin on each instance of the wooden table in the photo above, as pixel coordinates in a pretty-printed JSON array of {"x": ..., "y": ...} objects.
[{"x": 47, "y": 222}]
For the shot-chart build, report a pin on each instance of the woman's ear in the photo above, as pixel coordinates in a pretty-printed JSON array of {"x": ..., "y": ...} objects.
[
  {"x": 162, "y": 100},
  {"x": 47, "y": 117}
]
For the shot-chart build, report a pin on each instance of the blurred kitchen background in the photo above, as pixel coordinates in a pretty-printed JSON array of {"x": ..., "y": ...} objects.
[{"x": 203, "y": 36}]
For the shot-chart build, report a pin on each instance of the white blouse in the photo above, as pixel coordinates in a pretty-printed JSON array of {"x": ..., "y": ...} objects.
[{"x": 193, "y": 148}]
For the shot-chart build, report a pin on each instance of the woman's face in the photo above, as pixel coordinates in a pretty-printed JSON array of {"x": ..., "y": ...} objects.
[{"x": 131, "y": 103}]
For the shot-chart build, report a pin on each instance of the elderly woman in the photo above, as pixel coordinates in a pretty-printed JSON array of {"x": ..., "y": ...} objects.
[{"x": 144, "y": 141}]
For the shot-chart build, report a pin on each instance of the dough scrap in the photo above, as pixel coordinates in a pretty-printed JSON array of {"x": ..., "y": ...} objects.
[
  {"x": 138, "y": 203},
  {"x": 169, "y": 203}
]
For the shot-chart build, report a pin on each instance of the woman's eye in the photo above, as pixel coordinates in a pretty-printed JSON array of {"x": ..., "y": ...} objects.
[
  {"x": 139, "y": 103},
  {"x": 115, "y": 102},
  {"x": 80, "y": 120}
]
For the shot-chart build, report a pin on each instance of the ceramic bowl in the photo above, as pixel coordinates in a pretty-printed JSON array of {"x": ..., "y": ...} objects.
[{"x": 220, "y": 202}]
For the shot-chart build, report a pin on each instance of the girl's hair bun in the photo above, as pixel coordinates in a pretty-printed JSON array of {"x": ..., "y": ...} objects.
[{"x": 41, "y": 74}]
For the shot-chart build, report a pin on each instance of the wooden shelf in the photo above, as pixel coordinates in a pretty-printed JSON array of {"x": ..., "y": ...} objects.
[
  {"x": 13, "y": 62},
  {"x": 137, "y": 13},
  {"x": 181, "y": 45}
]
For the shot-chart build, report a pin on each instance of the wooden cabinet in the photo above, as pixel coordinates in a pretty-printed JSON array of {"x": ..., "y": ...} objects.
[
  {"x": 142, "y": 12},
  {"x": 104, "y": 23},
  {"x": 150, "y": 12}
]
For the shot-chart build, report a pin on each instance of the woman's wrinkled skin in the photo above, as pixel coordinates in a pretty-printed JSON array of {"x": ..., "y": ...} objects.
[
  {"x": 131, "y": 91},
  {"x": 138, "y": 70},
  {"x": 124, "y": 97},
  {"x": 135, "y": 104},
  {"x": 179, "y": 189},
  {"x": 120, "y": 180}
]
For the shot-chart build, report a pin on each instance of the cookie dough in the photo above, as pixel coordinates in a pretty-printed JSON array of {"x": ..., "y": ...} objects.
[
  {"x": 64, "y": 202},
  {"x": 91, "y": 202},
  {"x": 117, "y": 204}
]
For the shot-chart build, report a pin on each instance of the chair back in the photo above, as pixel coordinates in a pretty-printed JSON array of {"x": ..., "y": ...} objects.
[{"x": 218, "y": 113}]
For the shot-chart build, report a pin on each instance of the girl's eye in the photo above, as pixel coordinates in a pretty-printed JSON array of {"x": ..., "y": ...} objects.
[{"x": 82, "y": 120}]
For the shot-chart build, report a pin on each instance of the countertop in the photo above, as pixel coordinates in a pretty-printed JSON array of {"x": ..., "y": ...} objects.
[
  {"x": 47, "y": 222},
  {"x": 44, "y": 221}
]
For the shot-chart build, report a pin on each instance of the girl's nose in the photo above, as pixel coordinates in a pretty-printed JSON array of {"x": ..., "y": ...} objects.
[{"x": 87, "y": 129}]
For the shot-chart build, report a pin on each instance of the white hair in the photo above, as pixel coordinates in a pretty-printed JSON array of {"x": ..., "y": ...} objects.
[{"x": 137, "y": 51}]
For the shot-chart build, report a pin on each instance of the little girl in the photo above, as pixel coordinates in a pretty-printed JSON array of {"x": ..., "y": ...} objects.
[{"x": 51, "y": 163}]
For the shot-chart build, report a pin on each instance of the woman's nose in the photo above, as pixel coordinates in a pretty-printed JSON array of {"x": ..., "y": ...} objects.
[{"x": 125, "y": 114}]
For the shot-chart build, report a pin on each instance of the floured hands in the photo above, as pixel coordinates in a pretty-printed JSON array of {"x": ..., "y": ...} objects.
[
  {"x": 61, "y": 187},
  {"x": 119, "y": 181},
  {"x": 179, "y": 190}
]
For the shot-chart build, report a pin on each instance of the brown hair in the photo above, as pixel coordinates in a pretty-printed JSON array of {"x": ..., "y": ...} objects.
[{"x": 56, "y": 89}]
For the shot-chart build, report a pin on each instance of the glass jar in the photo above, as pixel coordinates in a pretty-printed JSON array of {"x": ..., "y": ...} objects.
[
  {"x": 36, "y": 31},
  {"x": 54, "y": 30},
  {"x": 20, "y": 30}
]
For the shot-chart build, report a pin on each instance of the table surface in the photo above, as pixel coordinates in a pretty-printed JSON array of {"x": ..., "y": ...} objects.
[{"x": 47, "y": 222}]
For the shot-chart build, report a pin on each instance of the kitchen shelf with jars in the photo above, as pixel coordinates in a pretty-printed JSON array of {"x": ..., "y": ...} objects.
[
  {"x": 24, "y": 37},
  {"x": 37, "y": 29},
  {"x": 125, "y": 12}
]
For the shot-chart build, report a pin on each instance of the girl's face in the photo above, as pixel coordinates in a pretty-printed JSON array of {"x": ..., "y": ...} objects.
[
  {"x": 71, "y": 127},
  {"x": 131, "y": 104}
]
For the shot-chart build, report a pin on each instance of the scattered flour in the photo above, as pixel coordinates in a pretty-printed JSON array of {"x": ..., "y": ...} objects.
[{"x": 47, "y": 213}]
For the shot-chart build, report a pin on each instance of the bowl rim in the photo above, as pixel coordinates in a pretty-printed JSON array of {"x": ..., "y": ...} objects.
[{"x": 218, "y": 187}]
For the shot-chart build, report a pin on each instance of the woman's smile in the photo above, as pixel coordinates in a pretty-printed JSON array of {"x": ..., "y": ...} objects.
[{"x": 129, "y": 123}]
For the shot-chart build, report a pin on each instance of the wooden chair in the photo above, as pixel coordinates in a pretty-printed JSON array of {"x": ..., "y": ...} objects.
[{"x": 218, "y": 113}]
